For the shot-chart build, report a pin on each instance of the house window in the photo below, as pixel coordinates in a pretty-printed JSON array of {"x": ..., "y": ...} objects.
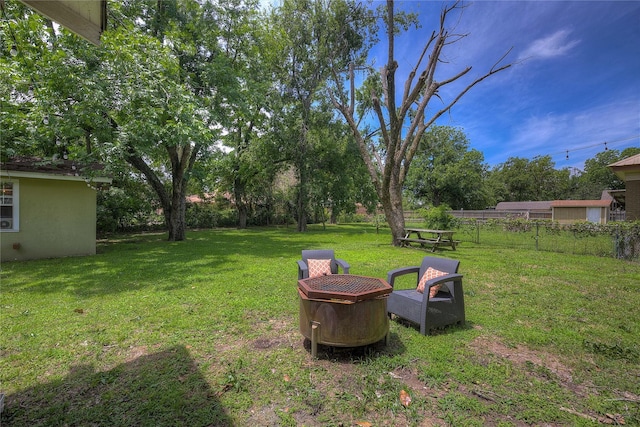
[{"x": 9, "y": 206}]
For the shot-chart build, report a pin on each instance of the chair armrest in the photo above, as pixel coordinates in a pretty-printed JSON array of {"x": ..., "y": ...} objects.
[
  {"x": 442, "y": 279},
  {"x": 303, "y": 270},
  {"x": 438, "y": 281},
  {"x": 344, "y": 264},
  {"x": 391, "y": 275}
]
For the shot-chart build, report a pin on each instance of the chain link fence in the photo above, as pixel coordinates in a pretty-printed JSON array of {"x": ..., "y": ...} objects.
[{"x": 618, "y": 239}]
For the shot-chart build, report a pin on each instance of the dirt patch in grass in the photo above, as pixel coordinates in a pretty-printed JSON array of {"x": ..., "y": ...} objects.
[
  {"x": 264, "y": 416},
  {"x": 543, "y": 365},
  {"x": 520, "y": 355},
  {"x": 135, "y": 352},
  {"x": 324, "y": 390},
  {"x": 274, "y": 333},
  {"x": 548, "y": 367},
  {"x": 341, "y": 387}
]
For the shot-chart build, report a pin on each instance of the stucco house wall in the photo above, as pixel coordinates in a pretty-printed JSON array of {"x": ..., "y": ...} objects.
[
  {"x": 633, "y": 198},
  {"x": 55, "y": 215},
  {"x": 628, "y": 170}
]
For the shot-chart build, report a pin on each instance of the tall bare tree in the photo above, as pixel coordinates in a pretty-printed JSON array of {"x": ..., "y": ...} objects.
[{"x": 402, "y": 119}]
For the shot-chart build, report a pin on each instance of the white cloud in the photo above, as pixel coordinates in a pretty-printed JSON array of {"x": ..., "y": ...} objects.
[
  {"x": 581, "y": 133},
  {"x": 557, "y": 44}
]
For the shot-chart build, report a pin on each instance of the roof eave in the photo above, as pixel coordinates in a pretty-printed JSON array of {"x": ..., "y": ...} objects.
[
  {"x": 86, "y": 18},
  {"x": 52, "y": 176}
]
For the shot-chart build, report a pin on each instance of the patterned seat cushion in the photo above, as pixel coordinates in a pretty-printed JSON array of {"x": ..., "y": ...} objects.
[
  {"x": 431, "y": 273},
  {"x": 319, "y": 267}
]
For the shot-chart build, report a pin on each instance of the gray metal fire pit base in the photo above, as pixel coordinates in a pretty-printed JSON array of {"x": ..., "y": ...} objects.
[{"x": 341, "y": 323}]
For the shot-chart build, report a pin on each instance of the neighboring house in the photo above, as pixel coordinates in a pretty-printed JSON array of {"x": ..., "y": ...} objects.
[
  {"x": 616, "y": 210},
  {"x": 47, "y": 209},
  {"x": 209, "y": 198},
  {"x": 528, "y": 210},
  {"x": 570, "y": 211},
  {"x": 562, "y": 211},
  {"x": 628, "y": 170}
]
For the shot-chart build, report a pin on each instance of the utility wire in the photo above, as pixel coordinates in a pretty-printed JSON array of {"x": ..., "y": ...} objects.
[{"x": 585, "y": 147}]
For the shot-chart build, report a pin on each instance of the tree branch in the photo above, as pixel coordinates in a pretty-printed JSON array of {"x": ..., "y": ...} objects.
[{"x": 407, "y": 84}]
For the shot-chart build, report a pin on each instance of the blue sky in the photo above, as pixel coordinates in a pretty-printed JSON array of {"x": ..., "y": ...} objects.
[{"x": 575, "y": 84}]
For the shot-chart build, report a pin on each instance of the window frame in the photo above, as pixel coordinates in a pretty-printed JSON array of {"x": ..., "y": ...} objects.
[{"x": 15, "y": 204}]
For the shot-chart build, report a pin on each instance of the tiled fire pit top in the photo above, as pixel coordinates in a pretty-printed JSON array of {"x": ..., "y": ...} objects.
[{"x": 348, "y": 287}]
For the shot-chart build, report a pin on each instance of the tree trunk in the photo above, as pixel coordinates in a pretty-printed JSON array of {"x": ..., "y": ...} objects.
[
  {"x": 394, "y": 212},
  {"x": 241, "y": 205},
  {"x": 301, "y": 207},
  {"x": 240, "y": 181},
  {"x": 334, "y": 216},
  {"x": 182, "y": 159},
  {"x": 302, "y": 201},
  {"x": 243, "y": 215},
  {"x": 158, "y": 187},
  {"x": 401, "y": 126},
  {"x": 177, "y": 215}
]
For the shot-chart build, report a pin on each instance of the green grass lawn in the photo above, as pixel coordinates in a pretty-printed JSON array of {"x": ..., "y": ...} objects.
[{"x": 205, "y": 332}]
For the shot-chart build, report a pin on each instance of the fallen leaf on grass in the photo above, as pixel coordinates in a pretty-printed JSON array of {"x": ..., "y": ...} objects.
[
  {"x": 286, "y": 378},
  {"x": 405, "y": 399},
  {"x": 363, "y": 423}
]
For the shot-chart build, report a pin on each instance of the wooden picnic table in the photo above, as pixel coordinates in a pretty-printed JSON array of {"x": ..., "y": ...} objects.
[{"x": 426, "y": 237}]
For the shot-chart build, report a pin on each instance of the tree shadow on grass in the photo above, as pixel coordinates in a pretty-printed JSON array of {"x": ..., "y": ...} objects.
[
  {"x": 161, "y": 389},
  {"x": 148, "y": 261},
  {"x": 123, "y": 266},
  {"x": 444, "y": 330}
]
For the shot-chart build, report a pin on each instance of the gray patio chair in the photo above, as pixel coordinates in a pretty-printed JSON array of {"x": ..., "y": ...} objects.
[
  {"x": 303, "y": 267},
  {"x": 445, "y": 308}
]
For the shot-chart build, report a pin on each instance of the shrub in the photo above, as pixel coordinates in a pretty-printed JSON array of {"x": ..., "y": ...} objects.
[
  {"x": 118, "y": 210},
  {"x": 439, "y": 218},
  {"x": 207, "y": 215}
]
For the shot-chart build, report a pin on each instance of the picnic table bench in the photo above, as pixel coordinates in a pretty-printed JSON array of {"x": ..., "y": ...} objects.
[{"x": 433, "y": 238}]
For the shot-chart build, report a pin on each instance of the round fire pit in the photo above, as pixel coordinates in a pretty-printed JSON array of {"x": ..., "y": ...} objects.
[{"x": 343, "y": 310}]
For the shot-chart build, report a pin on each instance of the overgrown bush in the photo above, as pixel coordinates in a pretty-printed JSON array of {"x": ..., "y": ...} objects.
[
  {"x": 624, "y": 235},
  {"x": 117, "y": 210},
  {"x": 209, "y": 215},
  {"x": 627, "y": 239},
  {"x": 439, "y": 218},
  {"x": 352, "y": 218}
]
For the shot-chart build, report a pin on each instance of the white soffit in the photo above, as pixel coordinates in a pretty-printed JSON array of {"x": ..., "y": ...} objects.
[{"x": 86, "y": 18}]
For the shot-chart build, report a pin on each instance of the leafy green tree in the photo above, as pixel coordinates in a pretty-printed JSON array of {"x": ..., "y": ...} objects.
[
  {"x": 251, "y": 164},
  {"x": 45, "y": 82},
  {"x": 154, "y": 95},
  {"x": 509, "y": 181},
  {"x": 444, "y": 170},
  {"x": 315, "y": 36},
  {"x": 548, "y": 183},
  {"x": 597, "y": 176},
  {"x": 338, "y": 179},
  {"x": 519, "y": 179}
]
